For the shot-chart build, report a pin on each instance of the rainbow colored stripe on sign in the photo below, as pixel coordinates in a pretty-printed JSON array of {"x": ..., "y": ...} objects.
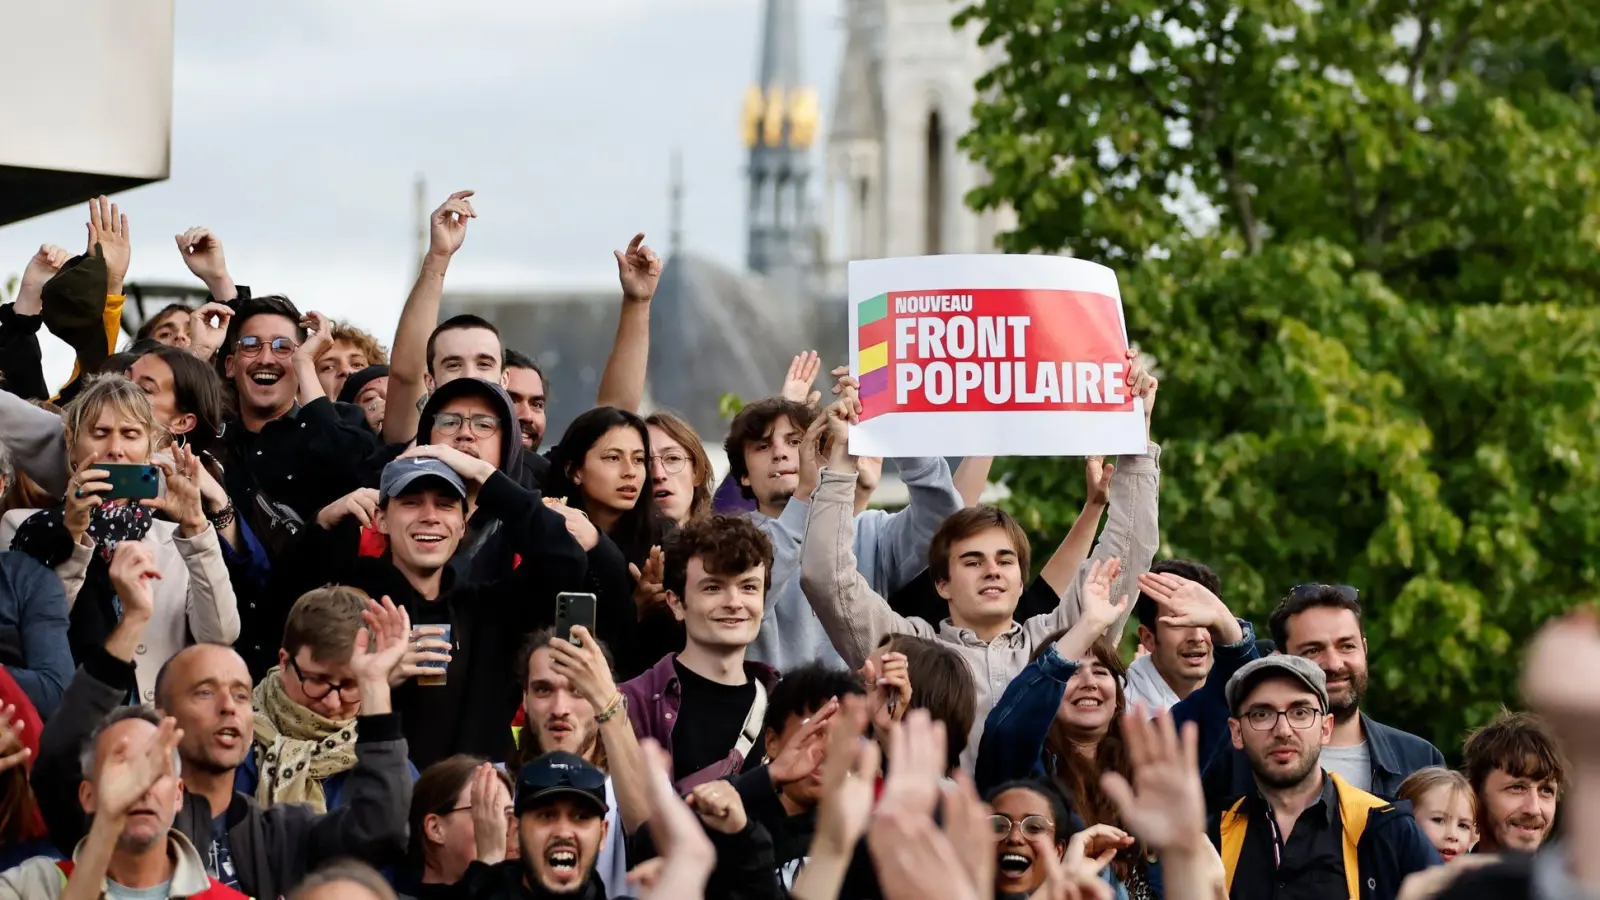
[{"x": 874, "y": 328}]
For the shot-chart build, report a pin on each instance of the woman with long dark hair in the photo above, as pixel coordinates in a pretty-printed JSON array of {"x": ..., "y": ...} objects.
[{"x": 602, "y": 469}]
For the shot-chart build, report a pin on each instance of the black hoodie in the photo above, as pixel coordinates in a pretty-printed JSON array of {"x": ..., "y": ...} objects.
[{"x": 486, "y": 554}]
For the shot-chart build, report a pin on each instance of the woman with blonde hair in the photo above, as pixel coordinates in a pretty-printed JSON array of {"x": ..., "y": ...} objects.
[{"x": 111, "y": 422}]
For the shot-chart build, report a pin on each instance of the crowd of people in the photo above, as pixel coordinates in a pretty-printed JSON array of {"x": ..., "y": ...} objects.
[{"x": 331, "y": 656}]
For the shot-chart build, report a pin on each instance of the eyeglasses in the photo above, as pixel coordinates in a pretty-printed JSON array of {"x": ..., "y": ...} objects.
[
  {"x": 672, "y": 462},
  {"x": 317, "y": 687},
  {"x": 483, "y": 424},
  {"x": 1032, "y": 826},
  {"x": 1344, "y": 591},
  {"x": 539, "y": 777},
  {"x": 1300, "y": 718},
  {"x": 252, "y": 346}
]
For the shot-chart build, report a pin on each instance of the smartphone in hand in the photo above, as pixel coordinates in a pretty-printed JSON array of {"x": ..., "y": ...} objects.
[
  {"x": 574, "y": 609},
  {"x": 133, "y": 481}
]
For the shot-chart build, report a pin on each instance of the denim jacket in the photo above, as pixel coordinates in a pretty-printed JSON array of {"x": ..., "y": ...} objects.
[{"x": 1013, "y": 744}]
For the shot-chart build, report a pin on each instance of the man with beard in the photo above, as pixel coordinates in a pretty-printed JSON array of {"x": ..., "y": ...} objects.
[
  {"x": 561, "y": 811},
  {"x": 302, "y": 456},
  {"x": 1518, "y": 771},
  {"x": 1179, "y": 657},
  {"x": 207, "y": 690},
  {"x": 1322, "y": 623},
  {"x": 572, "y": 705},
  {"x": 134, "y": 792},
  {"x": 1305, "y": 832},
  {"x": 525, "y": 383}
]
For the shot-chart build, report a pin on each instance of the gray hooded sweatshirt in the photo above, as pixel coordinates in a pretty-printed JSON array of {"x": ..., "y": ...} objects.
[{"x": 891, "y": 549}]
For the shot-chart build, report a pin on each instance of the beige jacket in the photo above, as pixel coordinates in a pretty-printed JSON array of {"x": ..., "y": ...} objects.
[
  {"x": 40, "y": 879},
  {"x": 194, "y": 600},
  {"x": 856, "y": 618}
]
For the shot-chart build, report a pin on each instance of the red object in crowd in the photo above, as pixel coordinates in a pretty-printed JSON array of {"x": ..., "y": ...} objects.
[
  {"x": 12, "y": 693},
  {"x": 375, "y": 543}
]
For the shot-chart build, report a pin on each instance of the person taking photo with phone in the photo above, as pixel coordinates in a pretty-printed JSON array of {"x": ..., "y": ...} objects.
[{"x": 120, "y": 492}]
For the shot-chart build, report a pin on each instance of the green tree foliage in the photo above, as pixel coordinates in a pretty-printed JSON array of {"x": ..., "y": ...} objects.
[{"x": 1361, "y": 240}]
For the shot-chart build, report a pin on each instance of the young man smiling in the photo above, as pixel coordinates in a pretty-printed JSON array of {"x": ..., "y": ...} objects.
[
  {"x": 302, "y": 456},
  {"x": 421, "y": 509},
  {"x": 718, "y": 571},
  {"x": 1518, "y": 772},
  {"x": 978, "y": 559}
]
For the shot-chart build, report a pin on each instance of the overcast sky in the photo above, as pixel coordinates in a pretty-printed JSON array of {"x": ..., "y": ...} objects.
[{"x": 299, "y": 127}]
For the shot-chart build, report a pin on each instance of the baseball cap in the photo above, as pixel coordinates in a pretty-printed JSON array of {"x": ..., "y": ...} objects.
[
  {"x": 560, "y": 774},
  {"x": 401, "y": 474},
  {"x": 1299, "y": 668}
]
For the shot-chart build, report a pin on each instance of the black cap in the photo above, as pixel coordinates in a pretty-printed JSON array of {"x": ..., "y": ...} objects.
[
  {"x": 560, "y": 774},
  {"x": 358, "y": 380}
]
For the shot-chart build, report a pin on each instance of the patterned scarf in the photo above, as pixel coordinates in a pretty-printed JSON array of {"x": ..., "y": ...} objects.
[
  {"x": 44, "y": 535},
  {"x": 296, "y": 748}
]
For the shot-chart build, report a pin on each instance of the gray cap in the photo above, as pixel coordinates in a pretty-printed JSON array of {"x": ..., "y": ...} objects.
[
  {"x": 1299, "y": 668},
  {"x": 403, "y": 473}
]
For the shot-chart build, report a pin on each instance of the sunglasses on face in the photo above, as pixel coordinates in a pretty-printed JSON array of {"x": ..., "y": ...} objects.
[
  {"x": 482, "y": 424},
  {"x": 1032, "y": 826},
  {"x": 252, "y": 346}
]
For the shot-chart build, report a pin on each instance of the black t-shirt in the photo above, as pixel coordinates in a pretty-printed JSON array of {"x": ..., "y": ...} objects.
[
  {"x": 1307, "y": 865},
  {"x": 710, "y": 718},
  {"x": 219, "y": 856}
]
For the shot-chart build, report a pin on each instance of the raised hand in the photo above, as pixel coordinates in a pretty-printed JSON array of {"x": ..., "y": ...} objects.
[
  {"x": 966, "y": 823},
  {"x": 915, "y": 860},
  {"x": 1189, "y": 604},
  {"x": 1561, "y": 680},
  {"x": 811, "y": 458},
  {"x": 85, "y": 492},
  {"x": 208, "y": 328},
  {"x": 201, "y": 250},
  {"x": 888, "y": 682},
  {"x": 719, "y": 806},
  {"x": 42, "y": 267},
  {"x": 803, "y": 753},
  {"x": 802, "y": 374},
  {"x": 12, "y": 751},
  {"x": 447, "y": 227},
  {"x": 182, "y": 502},
  {"x": 639, "y": 270},
  {"x": 132, "y": 768},
  {"x": 379, "y": 649},
  {"x": 427, "y": 646},
  {"x": 319, "y": 337},
  {"x": 1165, "y": 805},
  {"x": 108, "y": 227},
  {"x": 579, "y": 525},
  {"x": 470, "y": 468},
  {"x": 849, "y": 776},
  {"x": 916, "y": 766},
  {"x": 1142, "y": 384},
  {"x": 585, "y": 668},
  {"x": 133, "y": 568},
  {"x": 1093, "y": 848},
  {"x": 1097, "y": 606},
  {"x": 687, "y": 854},
  {"x": 1064, "y": 882},
  {"x": 361, "y": 503},
  {"x": 1097, "y": 481},
  {"x": 649, "y": 588},
  {"x": 491, "y": 810}
]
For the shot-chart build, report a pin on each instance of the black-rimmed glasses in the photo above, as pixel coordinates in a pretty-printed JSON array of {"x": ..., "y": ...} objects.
[
  {"x": 482, "y": 424},
  {"x": 1300, "y": 718},
  {"x": 317, "y": 687}
]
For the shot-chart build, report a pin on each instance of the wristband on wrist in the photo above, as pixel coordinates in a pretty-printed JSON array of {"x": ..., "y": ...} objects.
[
  {"x": 223, "y": 517},
  {"x": 618, "y": 704}
]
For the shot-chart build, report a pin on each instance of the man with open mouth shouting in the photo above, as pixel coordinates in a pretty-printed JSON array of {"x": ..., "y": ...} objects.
[{"x": 561, "y": 824}]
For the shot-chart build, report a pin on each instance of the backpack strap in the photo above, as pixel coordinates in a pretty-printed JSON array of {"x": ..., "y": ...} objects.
[{"x": 752, "y": 722}]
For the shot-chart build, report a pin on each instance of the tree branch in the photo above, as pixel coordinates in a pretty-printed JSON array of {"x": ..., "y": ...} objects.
[
  {"x": 1241, "y": 199},
  {"x": 1357, "y": 220},
  {"x": 1424, "y": 38}
]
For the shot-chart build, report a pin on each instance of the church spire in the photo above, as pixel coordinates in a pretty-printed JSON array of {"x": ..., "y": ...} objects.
[{"x": 779, "y": 124}]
